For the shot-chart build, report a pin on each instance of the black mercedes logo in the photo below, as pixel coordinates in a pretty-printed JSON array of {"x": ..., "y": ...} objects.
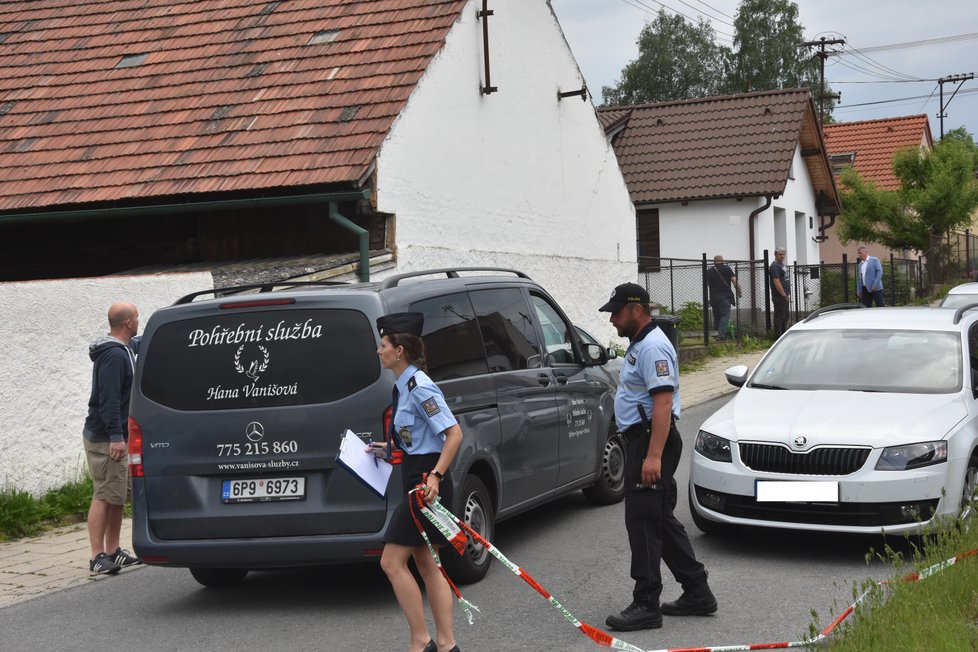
[{"x": 254, "y": 431}]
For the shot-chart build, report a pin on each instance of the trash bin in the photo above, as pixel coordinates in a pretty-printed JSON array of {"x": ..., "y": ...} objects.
[{"x": 670, "y": 326}]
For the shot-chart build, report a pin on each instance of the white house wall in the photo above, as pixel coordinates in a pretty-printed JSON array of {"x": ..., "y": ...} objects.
[
  {"x": 47, "y": 374},
  {"x": 513, "y": 179}
]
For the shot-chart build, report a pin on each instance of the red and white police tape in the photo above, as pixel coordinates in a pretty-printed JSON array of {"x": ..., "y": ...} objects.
[{"x": 452, "y": 528}]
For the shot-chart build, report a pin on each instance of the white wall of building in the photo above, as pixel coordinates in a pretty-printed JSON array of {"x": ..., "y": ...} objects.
[
  {"x": 513, "y": 179},
  {"x": 47, "y": 374}
]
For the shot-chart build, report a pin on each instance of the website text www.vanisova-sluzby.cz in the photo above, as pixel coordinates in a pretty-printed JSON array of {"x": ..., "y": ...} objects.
[{"x": 273, "y": 464}]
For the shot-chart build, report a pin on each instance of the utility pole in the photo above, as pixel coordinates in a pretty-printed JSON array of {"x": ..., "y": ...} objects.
[
  {"x": 948, "y": 80},
  {"x": 822, "y": 56}
]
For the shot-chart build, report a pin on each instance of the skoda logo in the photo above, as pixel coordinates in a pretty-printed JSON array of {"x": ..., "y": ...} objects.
[
  {"x": 255, "y": 431},
  {"x": 799, "y": 441}
]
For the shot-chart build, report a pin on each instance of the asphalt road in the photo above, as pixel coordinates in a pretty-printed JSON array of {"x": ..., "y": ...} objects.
[{"x": 768, "y": 583}]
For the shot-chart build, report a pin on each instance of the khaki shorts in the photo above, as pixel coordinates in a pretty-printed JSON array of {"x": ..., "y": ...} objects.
[{"x": 110, "y": 478}]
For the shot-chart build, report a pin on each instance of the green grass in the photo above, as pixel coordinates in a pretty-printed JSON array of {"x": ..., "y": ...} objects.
[
  {"x": 939, "y": 612},
  {"x": 22, "y": 515},
  {"x": 747, "y": 344}
]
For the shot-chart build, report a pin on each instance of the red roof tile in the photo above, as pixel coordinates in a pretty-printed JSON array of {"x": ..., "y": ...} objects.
[
  {"x": 716, "y": 147},
  {"x": 874, "y": 142},
  {"x": 231, "y": 96}
]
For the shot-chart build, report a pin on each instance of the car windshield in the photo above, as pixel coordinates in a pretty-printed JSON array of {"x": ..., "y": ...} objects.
[
  {"x": 900, "y": 361},
  {"x": 958, "y": 300}
]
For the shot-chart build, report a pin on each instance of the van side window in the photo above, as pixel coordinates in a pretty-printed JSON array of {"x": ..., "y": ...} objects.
[
  {"x": 556, "y": 332},
  {"x": 453, "y": 347},
  {"x": 506, "y": 323}
]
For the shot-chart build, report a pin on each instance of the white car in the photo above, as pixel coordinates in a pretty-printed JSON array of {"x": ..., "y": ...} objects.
[
  {"x": 960, "y": 295},
  {"x": 856, "y": 420}
]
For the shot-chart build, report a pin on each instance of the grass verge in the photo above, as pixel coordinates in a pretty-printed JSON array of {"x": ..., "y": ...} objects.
[
  {"x": 939, "y": 612},
  {"x": 723, "y": 349},
  {"x": 23, "y": 515}
]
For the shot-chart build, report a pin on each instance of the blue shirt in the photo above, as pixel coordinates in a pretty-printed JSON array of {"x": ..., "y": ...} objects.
[
  {"x": 779, "y": 271},
  {"x": 650, "y": 365},
  {"x": 421, "y": 413}
]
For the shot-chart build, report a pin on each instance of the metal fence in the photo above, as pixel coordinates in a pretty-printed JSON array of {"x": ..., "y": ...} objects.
[{"x": 679, "y": 286}]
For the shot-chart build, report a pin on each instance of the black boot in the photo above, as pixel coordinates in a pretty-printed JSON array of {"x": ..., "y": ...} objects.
[
  {"x": 635, "y": 616},
  {"x": 696, "y": 602}
]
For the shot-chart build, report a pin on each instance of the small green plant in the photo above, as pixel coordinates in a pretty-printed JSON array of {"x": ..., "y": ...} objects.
[
  {"x": 22, "y": 515},
  {"x": 691, "y": 316}
]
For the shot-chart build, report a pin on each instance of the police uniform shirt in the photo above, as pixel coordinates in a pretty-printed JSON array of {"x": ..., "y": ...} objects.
[
  {"x": 421, "y": 411},
  {"x": 650, "y": 363}
]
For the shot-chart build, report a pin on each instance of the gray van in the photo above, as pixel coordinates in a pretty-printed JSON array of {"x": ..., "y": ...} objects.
[{"x": 239, "y": 403}]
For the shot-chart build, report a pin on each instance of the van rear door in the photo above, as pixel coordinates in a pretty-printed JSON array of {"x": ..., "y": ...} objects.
[{"x": 241, "y": 407}]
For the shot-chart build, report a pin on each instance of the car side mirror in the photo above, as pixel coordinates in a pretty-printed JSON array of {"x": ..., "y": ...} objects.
[
  {"x": 596, "y": 355},
  {"x": 737, "y": 375}
]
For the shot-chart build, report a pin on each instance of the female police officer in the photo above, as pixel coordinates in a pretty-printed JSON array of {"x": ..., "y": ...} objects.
[{"x": 425, "y": 430}]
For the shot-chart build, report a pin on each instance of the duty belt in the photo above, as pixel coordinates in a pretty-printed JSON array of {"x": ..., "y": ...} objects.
[{"x": 637, "y": 431}]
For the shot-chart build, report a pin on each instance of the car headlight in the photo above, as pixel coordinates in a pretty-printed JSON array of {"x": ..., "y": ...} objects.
[
  {"x": 912, "y": 456},
  {"x": 712, "y": 447}
]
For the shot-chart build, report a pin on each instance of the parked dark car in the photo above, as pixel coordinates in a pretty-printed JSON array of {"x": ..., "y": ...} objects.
[{"x": 239, "y": 403}]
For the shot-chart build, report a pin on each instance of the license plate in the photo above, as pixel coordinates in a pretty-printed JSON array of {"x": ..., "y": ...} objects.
[
  {"x": 797, "y": 492},
  {"x": 255, "y": 490}
]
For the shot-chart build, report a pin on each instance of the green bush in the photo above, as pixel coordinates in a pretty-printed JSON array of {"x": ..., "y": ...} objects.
[
  {"x": 23, "y": 515},
  {"x": 691, "y": 316}
]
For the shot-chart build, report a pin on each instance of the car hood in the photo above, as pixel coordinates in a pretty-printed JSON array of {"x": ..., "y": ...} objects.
[{"x": 834, "y": 417}]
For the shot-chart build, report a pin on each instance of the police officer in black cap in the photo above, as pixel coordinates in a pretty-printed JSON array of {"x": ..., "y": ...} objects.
[
  {"x": 648, "y": 397},
  {"x": 425, "y": 430}
]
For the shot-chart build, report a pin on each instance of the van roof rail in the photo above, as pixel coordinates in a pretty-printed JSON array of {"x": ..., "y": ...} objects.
[
  {"x": 450, "y": 272},
  {"x": 832, "y": 308},
  {"x": 261, "y": 287},
  {"x": 963, "y": 309}
]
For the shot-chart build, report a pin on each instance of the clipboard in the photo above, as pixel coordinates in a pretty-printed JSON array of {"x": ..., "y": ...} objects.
[{"x": 362, "y": 464}]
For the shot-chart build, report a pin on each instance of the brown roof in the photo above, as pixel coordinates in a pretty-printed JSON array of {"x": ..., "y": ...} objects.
[
  {"x": 874, "y": 142},
  {"x": 717, "y": 147},
  {"x": 233, "y": 95}
]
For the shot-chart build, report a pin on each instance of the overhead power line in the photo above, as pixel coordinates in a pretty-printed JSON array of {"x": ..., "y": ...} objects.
[{"x": 943, "y": 40}]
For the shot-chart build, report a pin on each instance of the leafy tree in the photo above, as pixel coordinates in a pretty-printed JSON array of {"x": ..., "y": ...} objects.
[
  {"x": 938, "y": 192},
  {"x": 676, "y": 60}
]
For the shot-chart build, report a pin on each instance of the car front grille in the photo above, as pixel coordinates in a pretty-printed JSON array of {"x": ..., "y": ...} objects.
[{"x": 774, "y": 458}]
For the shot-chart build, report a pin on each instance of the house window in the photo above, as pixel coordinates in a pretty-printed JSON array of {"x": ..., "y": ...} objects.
[{"x": 647, "y": 229}]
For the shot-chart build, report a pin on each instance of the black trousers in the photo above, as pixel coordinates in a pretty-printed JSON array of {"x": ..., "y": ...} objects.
[
  {"x": 780, "y": 313},
  {"x": 654, "y": 533}
]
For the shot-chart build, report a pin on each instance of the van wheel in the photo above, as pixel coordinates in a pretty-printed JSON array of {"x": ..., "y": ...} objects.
[
  {"x": 610, "y": 487},
  {"x": 472, "y": 505},
  {"x": 218, "y": 577}
]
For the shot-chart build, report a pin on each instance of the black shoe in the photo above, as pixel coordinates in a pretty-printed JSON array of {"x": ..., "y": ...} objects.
[
  {"x": 430, "y": 647},
  {"x": 635, "y": 616},
  {"x": 700, "y": 602},
  {"x": 103, "y": 565},
  {"x": 124, "y": 558}
]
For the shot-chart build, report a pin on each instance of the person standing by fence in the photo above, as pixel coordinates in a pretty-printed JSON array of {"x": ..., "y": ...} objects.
[
  {"x": 780, "y": 291},
  {"x": 718, "y": 279},
  {"x": 869, "y": 279}
]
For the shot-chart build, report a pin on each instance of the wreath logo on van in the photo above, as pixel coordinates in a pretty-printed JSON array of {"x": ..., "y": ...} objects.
[{"x": 256, "y": 367}]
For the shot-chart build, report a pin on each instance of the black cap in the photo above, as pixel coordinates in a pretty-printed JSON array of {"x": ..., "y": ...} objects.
[
  {"x": 623, "y": 295},
  {"x": 411, "y": 323}
]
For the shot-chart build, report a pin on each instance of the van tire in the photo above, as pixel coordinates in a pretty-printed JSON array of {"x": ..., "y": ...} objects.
[
  {"x": 473, "y": 506},
  {"x": 610, "y": 487},
  {"x": 218, "y": 577}
]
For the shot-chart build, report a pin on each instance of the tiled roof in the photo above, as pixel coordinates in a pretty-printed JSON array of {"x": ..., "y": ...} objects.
[
  {"x": 231, "y": 95},
  {"x": 717, "y": 147},
  {"x": 874, "y": 142}
]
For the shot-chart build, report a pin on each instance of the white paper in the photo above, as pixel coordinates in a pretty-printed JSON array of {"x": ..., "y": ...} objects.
[{"x": 363, "y": 464}]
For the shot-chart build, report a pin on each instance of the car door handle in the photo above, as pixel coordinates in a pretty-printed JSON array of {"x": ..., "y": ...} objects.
[
  {"x": 544, "y": 380},
  {"x": 561, "y": 377}
]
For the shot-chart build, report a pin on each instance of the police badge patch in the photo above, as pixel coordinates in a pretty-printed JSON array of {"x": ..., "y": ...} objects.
[
  {"x": 431, "y": 407},
  {"x": 631, "y": 358},
  {"x": 661, "y": 368}
]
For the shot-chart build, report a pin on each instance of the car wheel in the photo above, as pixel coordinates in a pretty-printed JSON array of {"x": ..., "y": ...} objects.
[
  {"x": 218, "y": 577},
  {"x": 472, "y": 505},
  {"x": 610, "y": 487},
  {"x": 969, "y": 493},
  {"x": 705, "y": 525}
]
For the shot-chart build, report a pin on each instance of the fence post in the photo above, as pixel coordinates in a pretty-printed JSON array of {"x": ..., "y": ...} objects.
[
  {"x": 893, "y": 297},
  {"x": 967, "y": 252},
  {"x": 767, "y": 294},
  {"x": 706, "y": 318},
  {"x": 672, "y": 289},
  {"x": 845, "y": 277}
]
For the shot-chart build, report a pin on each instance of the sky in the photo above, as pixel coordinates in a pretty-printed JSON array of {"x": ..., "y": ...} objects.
[{"x": 602, "y": 35}]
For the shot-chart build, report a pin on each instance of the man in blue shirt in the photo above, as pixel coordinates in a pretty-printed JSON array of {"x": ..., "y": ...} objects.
[
  {"x": 869, "y": 279},
  {"x": 648, "y": 388},
  {"x": 780, "y": 292}
]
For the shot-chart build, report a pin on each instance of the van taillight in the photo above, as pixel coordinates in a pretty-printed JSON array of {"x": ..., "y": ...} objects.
[
  {"x": 396, "y": 454},
  {"x": 135, "y": 449}
]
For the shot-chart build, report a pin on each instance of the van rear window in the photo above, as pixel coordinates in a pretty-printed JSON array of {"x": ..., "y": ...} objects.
[{"x": 259, "y": 359}]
